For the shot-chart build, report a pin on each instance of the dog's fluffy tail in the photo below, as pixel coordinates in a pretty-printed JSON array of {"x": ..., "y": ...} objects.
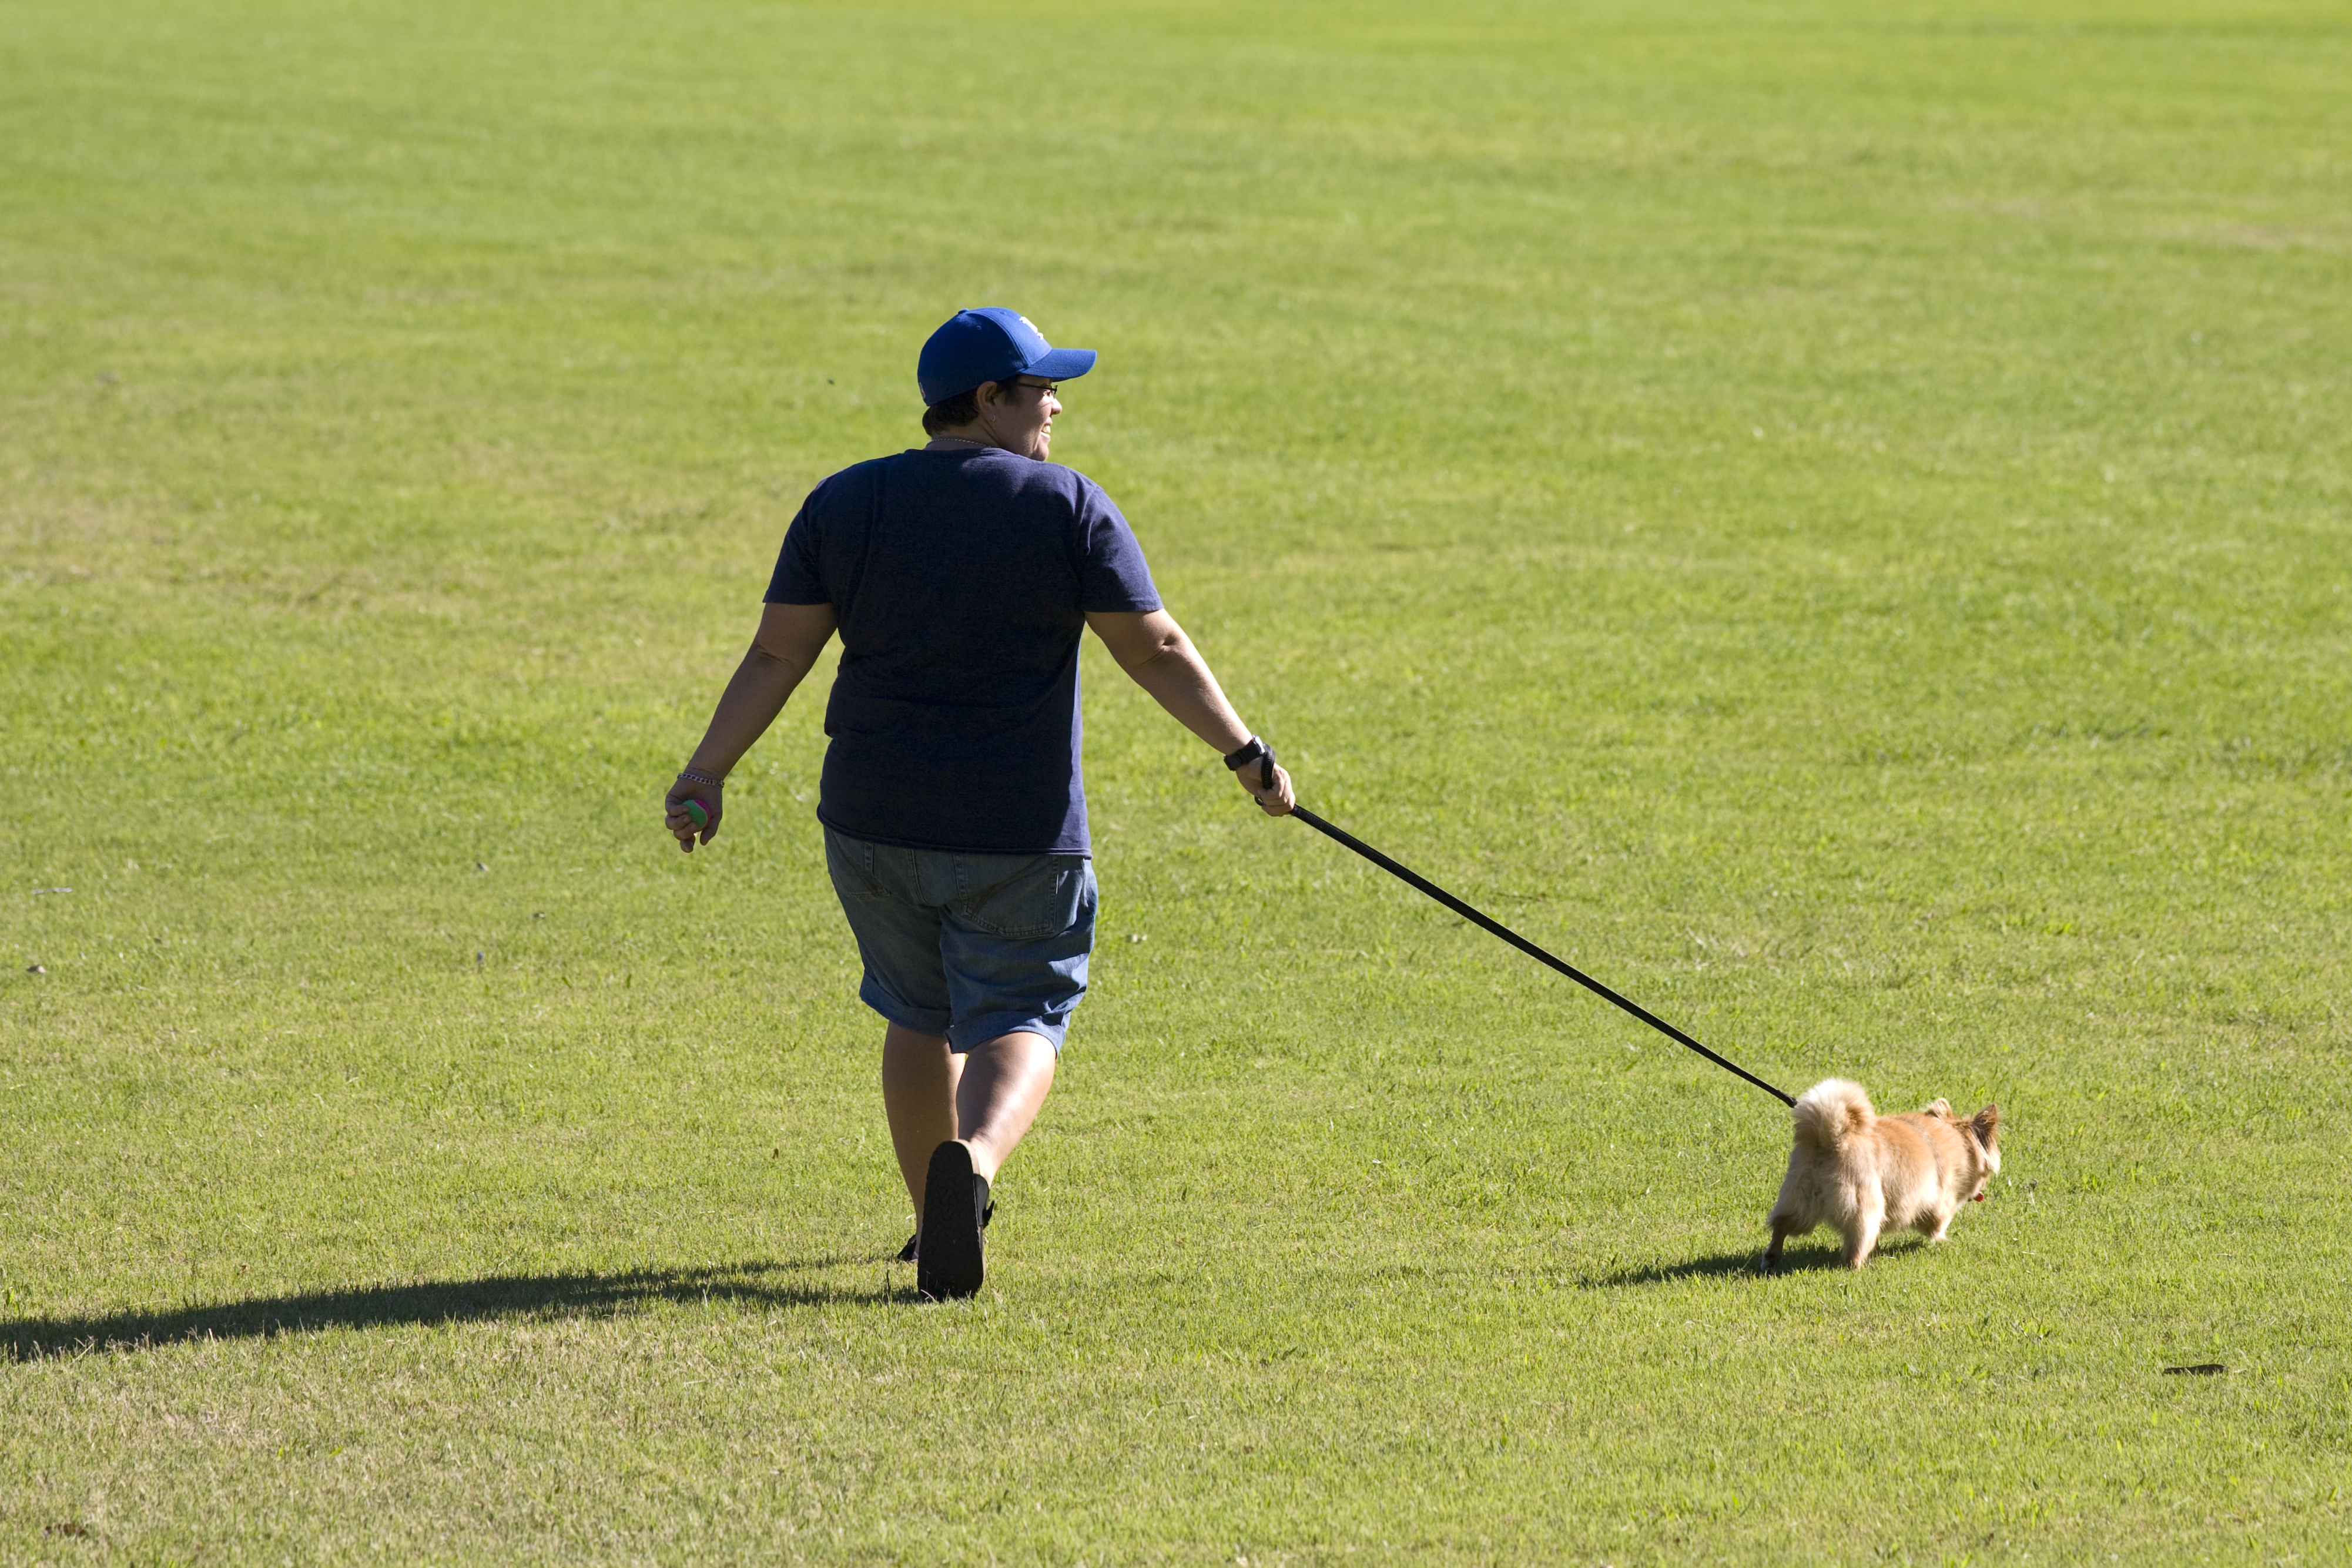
[{"x": 1832, "y": 1113}]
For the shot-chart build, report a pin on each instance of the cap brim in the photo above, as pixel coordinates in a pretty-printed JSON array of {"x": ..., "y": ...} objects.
[{"x": 1061, "y": 364}]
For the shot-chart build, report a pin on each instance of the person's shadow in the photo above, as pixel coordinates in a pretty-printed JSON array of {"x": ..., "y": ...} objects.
[{"x": 756, "y": 1283}]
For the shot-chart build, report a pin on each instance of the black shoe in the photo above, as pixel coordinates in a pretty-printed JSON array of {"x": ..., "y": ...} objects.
[
  {"x": 914, "y": 1247},
  {"x": 948, "y": 1264}
]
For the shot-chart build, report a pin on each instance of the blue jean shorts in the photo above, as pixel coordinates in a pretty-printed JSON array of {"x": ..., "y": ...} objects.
[{"x": 969, "y": 946}]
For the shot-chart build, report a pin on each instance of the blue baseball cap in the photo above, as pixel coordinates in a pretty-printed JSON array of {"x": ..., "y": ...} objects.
[{"x": 991, "y": 343}]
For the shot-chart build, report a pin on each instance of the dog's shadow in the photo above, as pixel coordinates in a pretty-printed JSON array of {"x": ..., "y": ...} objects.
[
  {"x": 1750, "y": 1264},
  {"x": 757, "y": 1283}
]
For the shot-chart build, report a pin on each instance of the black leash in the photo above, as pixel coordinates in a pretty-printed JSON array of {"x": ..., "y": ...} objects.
[{"x": 1407, "y": 875}]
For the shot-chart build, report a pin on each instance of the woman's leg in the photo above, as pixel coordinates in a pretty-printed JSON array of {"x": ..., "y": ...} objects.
[
  {"x": 918, "y": 1096},
  {"x": 1004, "y": 1081}
]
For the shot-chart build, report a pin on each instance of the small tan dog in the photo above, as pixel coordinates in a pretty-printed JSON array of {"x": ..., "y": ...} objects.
[{"x": 1860, "y": 1171}]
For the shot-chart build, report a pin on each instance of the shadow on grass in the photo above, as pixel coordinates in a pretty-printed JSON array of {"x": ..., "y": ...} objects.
[
  {"x": 441, "y": 1302},
  {"x": 1748, "y": 1263}
]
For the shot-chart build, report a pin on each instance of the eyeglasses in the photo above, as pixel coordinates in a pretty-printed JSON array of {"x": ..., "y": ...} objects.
[{"x": 1048, "y": 387}]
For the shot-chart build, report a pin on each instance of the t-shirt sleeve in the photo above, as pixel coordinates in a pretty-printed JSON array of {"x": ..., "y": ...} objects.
[
  {"x": 1113, "y": 576},
  {"x": 798, "y": 579}
]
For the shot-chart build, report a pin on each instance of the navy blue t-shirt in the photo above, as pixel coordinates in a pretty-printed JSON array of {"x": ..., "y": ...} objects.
[{"x": 963, "y": 579}]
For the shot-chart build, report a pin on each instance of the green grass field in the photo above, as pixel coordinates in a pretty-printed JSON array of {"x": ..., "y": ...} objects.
[{"x": 1835, "y": 517}]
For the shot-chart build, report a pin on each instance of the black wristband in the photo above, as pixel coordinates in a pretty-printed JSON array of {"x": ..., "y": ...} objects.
[{"x": 1238, "y": 760}]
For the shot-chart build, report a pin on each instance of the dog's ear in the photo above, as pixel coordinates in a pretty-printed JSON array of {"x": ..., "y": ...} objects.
[
  {"x": 1942, "y": 1108},
  {"x": 1986, "y": 1125}
]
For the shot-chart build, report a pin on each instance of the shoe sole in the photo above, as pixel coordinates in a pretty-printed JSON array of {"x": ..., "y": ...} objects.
[
  {"x": 915, "y": 1243},
  {"x": 948, "y": 1264}
]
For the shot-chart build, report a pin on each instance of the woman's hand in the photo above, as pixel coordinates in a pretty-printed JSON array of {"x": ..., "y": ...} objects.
[
  {"x": 680, "y": 821},
  {"x": 1274, "y": 799}
]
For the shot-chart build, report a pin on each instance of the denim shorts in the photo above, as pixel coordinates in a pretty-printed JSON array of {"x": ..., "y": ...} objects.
[{"x": 969, "y": 946}]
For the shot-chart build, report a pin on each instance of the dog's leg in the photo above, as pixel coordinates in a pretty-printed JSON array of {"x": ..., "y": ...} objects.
[
  {"x": 1779, "y": 1236},
  {"x": 1934, "y": 1222},
  {"x": 1862, "y": 1236}
]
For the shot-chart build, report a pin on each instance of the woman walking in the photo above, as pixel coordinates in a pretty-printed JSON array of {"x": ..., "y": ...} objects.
[{"x": 961, "y": 575}]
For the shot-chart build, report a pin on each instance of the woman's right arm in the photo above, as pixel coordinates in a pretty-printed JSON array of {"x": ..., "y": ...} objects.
[{"x": 790, "y": 638}]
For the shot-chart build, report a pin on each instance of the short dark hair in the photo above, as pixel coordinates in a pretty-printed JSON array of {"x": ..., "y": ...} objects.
[
  {"x": 962, "y": 408},
  {"x": 951, "y": 412}
]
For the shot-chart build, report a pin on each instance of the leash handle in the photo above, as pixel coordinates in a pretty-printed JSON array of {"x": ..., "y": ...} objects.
[
  {"x": 1253, "y": 750},
  {"x": 1408, "y": 875}
]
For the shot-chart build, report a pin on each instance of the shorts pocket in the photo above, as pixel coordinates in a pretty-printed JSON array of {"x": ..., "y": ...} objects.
[
  {"x": 850, "y": 862},
  {"x": 1040, "y": 898}
]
